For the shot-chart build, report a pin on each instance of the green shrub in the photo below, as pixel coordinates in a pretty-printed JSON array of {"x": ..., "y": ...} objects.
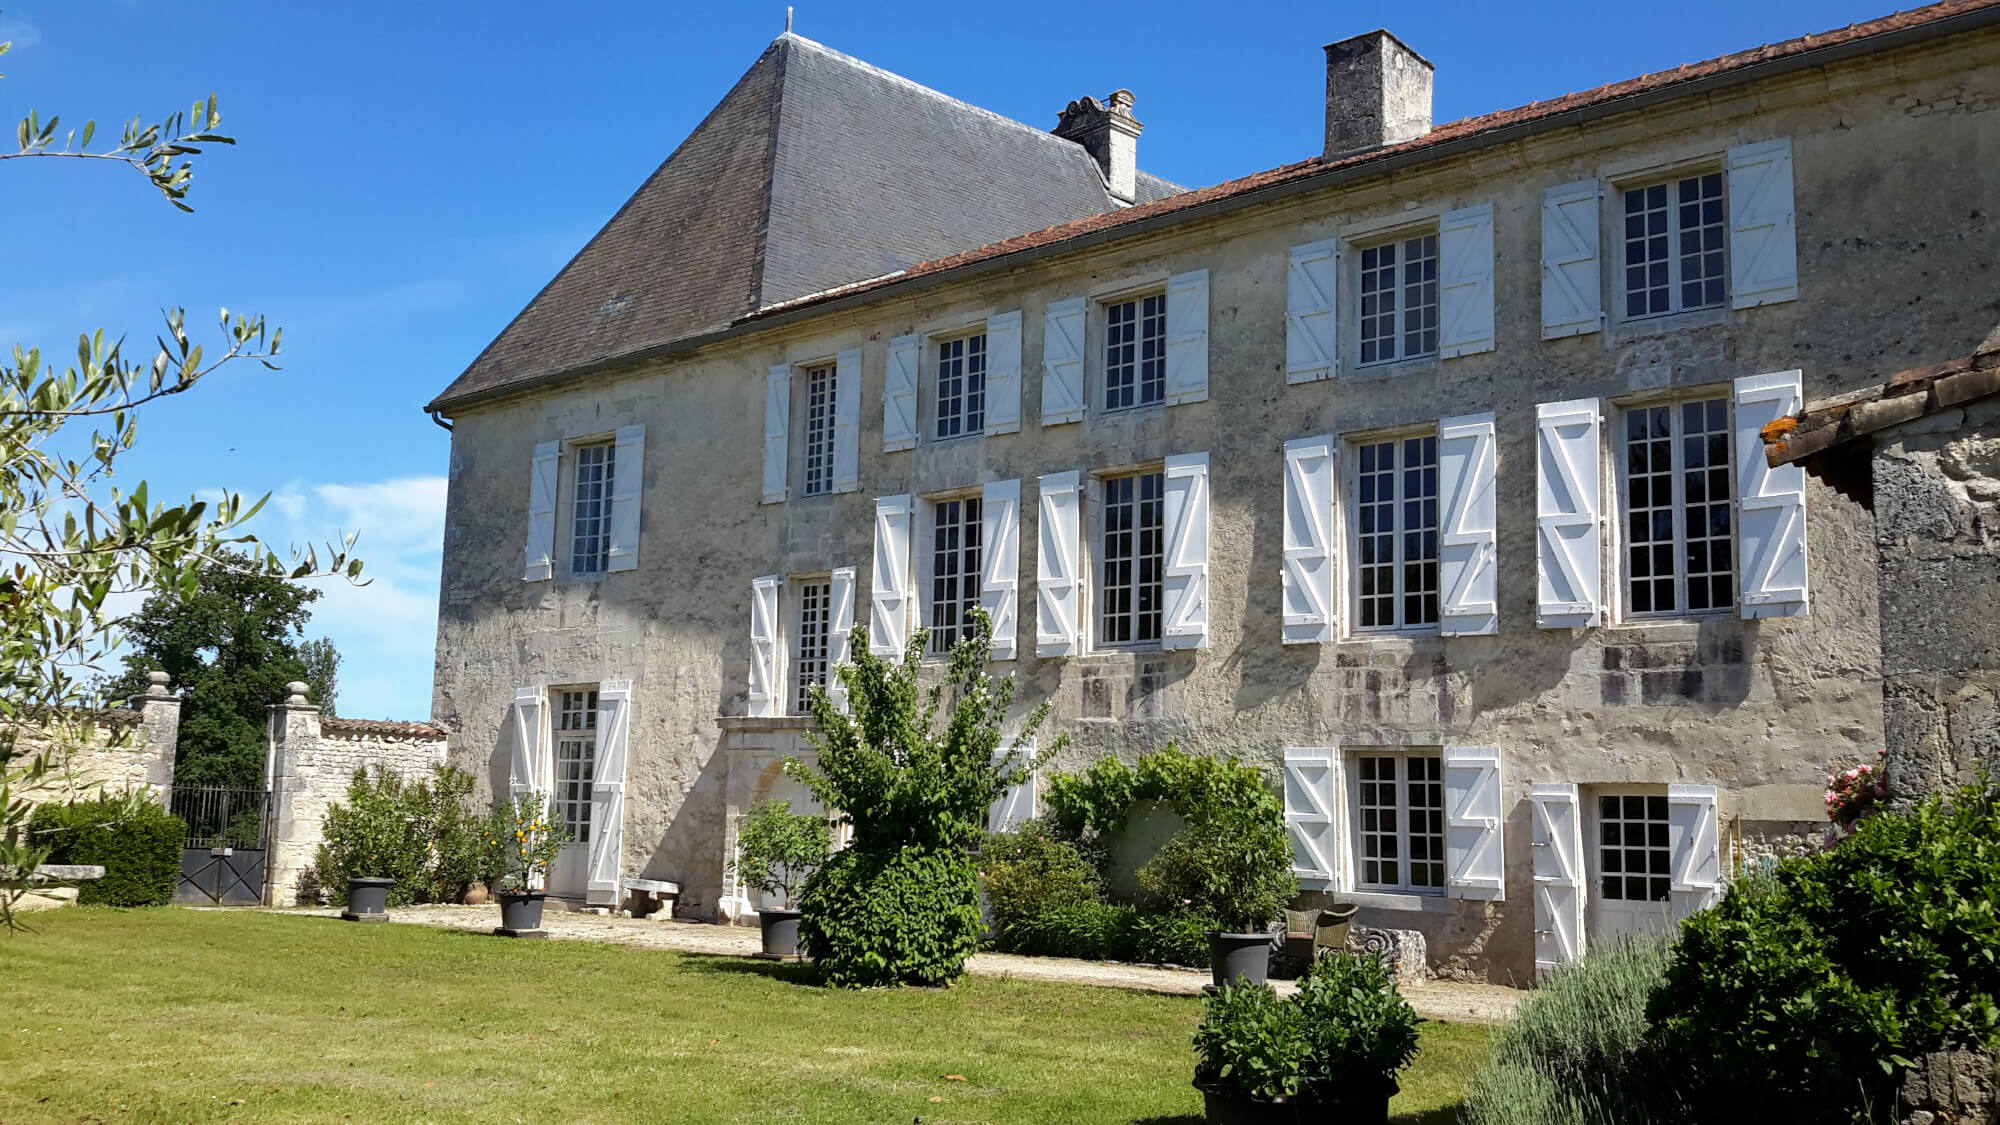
[
  {"x": 1577, "y": 1050},
  {"x": 872, "y": 917},
  {"x": 1097, "y": 801},
  {"x": 1804, "y": 993},
  {"x": 1174, "y": 937},
  {"x": 1234, "y": 865},
  {"x": 1032, "y": 870},
  {"x": 423, "y": 834},
  {"x": 1101, "y": 931},
  {"x": 137, "y": 843},
  {"x": 778, "y": 848},
  {"x": 1347, "y": 1031}
]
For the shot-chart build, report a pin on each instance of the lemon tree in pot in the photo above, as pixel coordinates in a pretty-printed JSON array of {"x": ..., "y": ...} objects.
[
  {"x": 777, "y": 849},
  {"x": 1233, "y": 865},
  {"x": 1330, "y": 1052},
  {"x": 535, "y": 842}
]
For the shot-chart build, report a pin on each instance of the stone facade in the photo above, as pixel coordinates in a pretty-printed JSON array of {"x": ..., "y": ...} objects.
[
  {"x": 1891, "y": 205},
  {"x": 121, "y": 749},
  {"x": 1951, "y": 1088},
  {"x": 313, "y": 759}
]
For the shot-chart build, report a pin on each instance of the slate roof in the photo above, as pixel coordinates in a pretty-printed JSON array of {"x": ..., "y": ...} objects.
[
  {"x": 1905, "y": 397},
  {"x": 816, "y": 170}
]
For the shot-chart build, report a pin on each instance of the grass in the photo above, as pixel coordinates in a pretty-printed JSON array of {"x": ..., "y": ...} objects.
[{"x": 183, "y": 1015}]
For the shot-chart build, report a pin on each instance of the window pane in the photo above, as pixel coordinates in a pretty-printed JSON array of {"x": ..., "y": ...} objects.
[
  {"x": 815, "y": 622},
  {"x": 1131, "y": 570},
  {"x": 1378, "y": 303},
  {"x": 1633, "y": 858},
  {"x": 590, "y": 509},
  {"x": 1121, "y": 355},
  {"x": 955, "y": 569},
  {"x": 1420, "y": 295},
  {"x": 819, "y": 431},
  {"x": 1153, "y": 349}
]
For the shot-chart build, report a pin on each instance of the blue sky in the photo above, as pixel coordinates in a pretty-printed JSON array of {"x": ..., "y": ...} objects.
[{"x": 409, "y": 175}]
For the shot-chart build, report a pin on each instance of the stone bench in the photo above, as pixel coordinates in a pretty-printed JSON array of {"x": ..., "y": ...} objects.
[
  {"x": 48, "y": 898},
  {"x": 652, "y": 898}
]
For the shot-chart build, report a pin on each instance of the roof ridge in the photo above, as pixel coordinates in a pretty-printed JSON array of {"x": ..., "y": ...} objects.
[{"x": 760, "y": 253}]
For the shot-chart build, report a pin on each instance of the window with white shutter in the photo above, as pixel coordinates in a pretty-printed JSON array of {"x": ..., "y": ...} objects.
[
  {"x": 1131, "y": 549},
  {"x": 607, "y": 794},
  {"x": 1569, "y": 592},
  {"x": 1184, "y": 573},
  {"x": 542, "y": 512},
  {"x": 1572, "y": 286},
  {"x": 1058, "y": 557},
  {"x": 959, "y": 397},
  {"x": 1062, "y": 362},
  {"x": 1673, "y": 244},
  {"x": 765, "y": 656},
  {"x": 1310, "y": 312},
  {"x": 527, "y": 761},
  {"x": 1003, "y": 373},
  {"x": 1313, "y": 816},
  {"x": 629, "y": 454},
  {"x": 1135, "y": 352},
  {"x": 899, "y": 394},
  {"x": 1556, "y": 835},
  {"x": 1016, "y": 803},
  {"x": 1394, "y": 498},
  {"x": 1309, "y": 570},
  {"x": 1465, "y": 267},
  {"x": 1695, "y": 839},
  {"x": 1771, "y": 502},
  {"x": 1000, "y": 578},
  {"x": 1187, "y": 337},
  {"x": 1475, "y": 824},
  {"x": 777, "y": 433},
  {"x": 846, "y": 434},
  {"x": 1468, "y": 574},
  {"x": 812, "y": 640},
  {"x": 957, "y": 553},
  {"x": 1398, "y": 297},
  {"x": 1399, "y": 821},
  {"x": 1678, "y": 521},
  {"x": 593, "y": 474},
  {"x": 839, "y": 650},
  {"x": 889, "y": 613},
  {"x": 1763, "y": 231},
  {"x": 816, "y": 474}
]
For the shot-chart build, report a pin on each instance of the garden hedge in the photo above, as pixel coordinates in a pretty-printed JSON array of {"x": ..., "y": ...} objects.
[{"x": 138, "y": 845}]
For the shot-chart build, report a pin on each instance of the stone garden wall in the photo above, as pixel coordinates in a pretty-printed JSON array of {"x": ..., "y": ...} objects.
[{"x": 121, "y": 748}]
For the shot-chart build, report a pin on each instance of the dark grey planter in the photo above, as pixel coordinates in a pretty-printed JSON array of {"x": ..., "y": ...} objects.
[
  {"x": 521, "y": 913},
  {"x": 367, "y": 899},
  {"x": 1232, "y": 1107},
  {"x": 1239, "y": 958},
  {"x": 780, "y": 930}
]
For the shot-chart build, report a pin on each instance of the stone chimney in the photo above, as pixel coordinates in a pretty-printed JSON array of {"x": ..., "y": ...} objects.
[
  {"x": 1378, "y": 92},
  {"x": 1111, "y": 135}
]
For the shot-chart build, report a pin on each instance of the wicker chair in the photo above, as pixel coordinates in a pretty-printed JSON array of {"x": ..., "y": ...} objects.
[{"x": 1313, "y": 934}]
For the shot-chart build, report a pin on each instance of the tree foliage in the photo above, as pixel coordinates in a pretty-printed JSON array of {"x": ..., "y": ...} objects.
[
  {"x": 780, "y": 848},
  {"x": 70, "y": 539}
]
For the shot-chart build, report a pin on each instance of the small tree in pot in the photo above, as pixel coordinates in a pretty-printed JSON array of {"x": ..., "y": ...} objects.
[
  {"x": 1330, "y": 1052},
  {"x": 1234, "y": 865},
  {"x": 778, "y": 848},
  {"x": 535, "y": 844}
]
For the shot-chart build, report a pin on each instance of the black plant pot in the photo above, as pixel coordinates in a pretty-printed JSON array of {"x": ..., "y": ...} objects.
[
  {"x": 520, "y": 913},
  {"x": 1233, "y": 1107},
  {"x": 1239, "y": 958},
  {"x": 367, "y": 899},
  {"x": 780, "y": 930}
]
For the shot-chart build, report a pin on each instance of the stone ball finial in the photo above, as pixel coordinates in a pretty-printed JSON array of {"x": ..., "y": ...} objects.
[
  {"x": 157, "y": 682},
  {"x": 297, "y": 692}
]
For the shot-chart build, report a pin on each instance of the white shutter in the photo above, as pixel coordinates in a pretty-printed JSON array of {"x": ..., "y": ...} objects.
[
  {"x": 1057, "y": 558},
  {"x": 1000, "y": 562},
  {"x": 1003, "y": 373},
  {"x": 889, "y": 613},
  {"x": 531, "y": 727},
  {"x": 1187, "y": 337},
  {"x": 777, "y": 429},
  {"x": 1465, "y": 281},
  {"x": 1467, "y": 573},
  {"x": 1062, "y": 362},
  {"x": 1310, "y": 311},
  {"x": 1572, "y": 282},
  {"x": 1770, "y": 502},
  {"x": 846, "y": 420},
  {"x": 1184, "y": 582},
  {"x": 1475, "y": 824},
  {"x": 1558, "y": 846},
  {"x": 1695, "y": 840},
  {"x": 899, "y": 394},
  {"x": 607, "y": 794},
  {"x": 542, "y": 512},
  {"x": 1313, "y": 816},
  {"x": 1569, "y": 592},
  {"x": 628, "y": 479},
  {"x": 1763, "y": 232},
  {"x": 838, "y": 650},
  {"x": 1308, "y": 578},
  {"x": 1017, "y": 802},
  {"x": 764, "y": 691}
]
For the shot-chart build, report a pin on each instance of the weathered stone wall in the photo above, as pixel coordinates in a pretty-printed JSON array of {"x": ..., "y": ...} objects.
[
  {"x": 1937, "y": 517},
  {"x": 1896, "y": 253},
  {"x": 1951, "y": 1088},
  {"x": 120, "y": 749},
  {"x": 313, "y": 759}
]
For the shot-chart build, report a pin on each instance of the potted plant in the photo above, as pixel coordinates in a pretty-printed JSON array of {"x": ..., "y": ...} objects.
[
  {"x": 1235, "y": 866},
  {"x": 534, "y": 845},
  {"x": 778, "y": 848},
  {"x": 1331, "y": 1052},
  {"x": 367, "y": 898}
]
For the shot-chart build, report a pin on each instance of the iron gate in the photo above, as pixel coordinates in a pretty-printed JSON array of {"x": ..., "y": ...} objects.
[{"x": 228, "y": 837}]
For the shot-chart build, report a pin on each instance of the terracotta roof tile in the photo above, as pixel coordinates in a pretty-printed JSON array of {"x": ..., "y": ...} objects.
[
  {"x": 1903, "y": 397},
  {"x": 332, "y": 724}
]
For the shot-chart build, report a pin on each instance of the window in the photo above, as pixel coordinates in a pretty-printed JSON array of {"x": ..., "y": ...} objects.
[
  {"x": 1396, "y": 528},
  {"x": 1399, "y": 299},
  {"x": 1129, "y": 571},
  {"x": 1673, "y": 246},
  {"x": 1135, "y": 352},
  {"x": 1399, "y": 802},
  {"x": 590, "y": 510},
  {"x": 961, "y": 386},
  {"x": 1679, "y": 549},
  {"x": 809, "y": 664},
  {"x": 819, "y": 431},
  {"x": 1634, "y": 861},
  {"x": 576, "y": 762},
  {"x": 955, "y": 568}
]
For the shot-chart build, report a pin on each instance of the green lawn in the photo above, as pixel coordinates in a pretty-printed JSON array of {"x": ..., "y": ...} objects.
[{"x": 180, "y": 1015}]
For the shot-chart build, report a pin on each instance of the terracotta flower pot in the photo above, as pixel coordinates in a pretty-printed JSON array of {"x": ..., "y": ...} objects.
[{"x": 477, "y": 894}]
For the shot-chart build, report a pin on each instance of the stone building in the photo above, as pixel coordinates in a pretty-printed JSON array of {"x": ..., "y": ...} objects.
[{"x": 1424, "y": 472}]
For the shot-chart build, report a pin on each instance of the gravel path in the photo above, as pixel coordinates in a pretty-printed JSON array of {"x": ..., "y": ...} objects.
[{"x": 1451, "y": 1001}]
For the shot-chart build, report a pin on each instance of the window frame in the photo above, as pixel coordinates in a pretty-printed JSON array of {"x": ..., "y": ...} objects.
[
  {"x": 1612, "y": 238},
  {"x": 574, "y": 810},
  {"x": 802, "y": 379},
  {"x": 1618, "y": 537},
  {"x": 1097, "y": 525},
  {"x": 924, "y": 547},
  {"x": 794, "y": 659},
  {"x": 1594, "y": 821},
  {"x": 1357, "y": 832},
  {"x": 571, "y": 508},
  {"x": 1098, "y": 362},
  {"x": 1356, "y": 247},
  {"x": 931, "y": 375},
  {"x": 1350, "y": 533}
]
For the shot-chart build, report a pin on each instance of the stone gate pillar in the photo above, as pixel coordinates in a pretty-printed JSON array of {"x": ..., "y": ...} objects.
[
  {"x": 159, "y": 731},
  {"x": 297, "y": 798}
]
